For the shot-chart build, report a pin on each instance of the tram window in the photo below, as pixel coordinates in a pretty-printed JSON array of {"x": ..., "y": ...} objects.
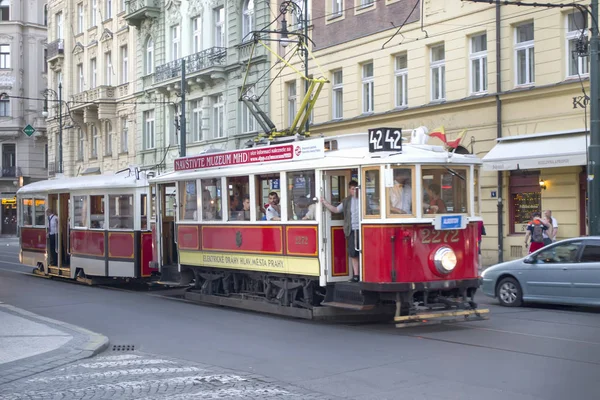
[
  {"x": 97, "y": 212},
  {"x": 144, "y": 211},
  {"x": 120, "y": 211},
  {"x": 80, "y": 211},
  {"x": 153, "y": 202},
  {"x": 28, "y": 212},
  {"x": 268, "y": 197},
  {"x": 238, "y": 192},
  {"x": 400, "y": 196},
  {"x": 371, "y": 193},
  {"x": 187, "y": 201},
  {"x": 339, "y": 187},
  {"x": 169, "y": 201},
  {"x": 445, "y": 190},
  {"x": 301, "y": 195},
  {"x": 40, "y": 212},
  {"x": 211, "y": 199}
]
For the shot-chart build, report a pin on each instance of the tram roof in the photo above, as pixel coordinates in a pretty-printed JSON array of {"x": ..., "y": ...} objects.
[
  {"x": 108, "y": 181},
  {"x": 352, "y": 150}
]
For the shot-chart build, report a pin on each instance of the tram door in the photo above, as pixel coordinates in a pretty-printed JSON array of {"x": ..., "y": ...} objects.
[
  {"x": 168, "y": 249},
  {"x": 335, "y": 189},
  {"x": 64, "y": 229},
  {"x": 53, "y": 205}
]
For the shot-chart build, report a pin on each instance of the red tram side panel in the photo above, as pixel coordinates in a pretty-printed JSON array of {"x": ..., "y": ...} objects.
[{"x": 33, "y": 239}]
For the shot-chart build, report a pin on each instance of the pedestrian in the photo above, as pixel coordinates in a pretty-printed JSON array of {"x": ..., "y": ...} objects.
[
  {"x": 550, "y": 234},
  {"x": 535, "y": 230},
  {"x": 349, "y": 206},
  {"x": 52, "y": 232}
]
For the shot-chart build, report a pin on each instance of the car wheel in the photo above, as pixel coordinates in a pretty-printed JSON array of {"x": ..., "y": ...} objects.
[{"x": 509, "y": 293}]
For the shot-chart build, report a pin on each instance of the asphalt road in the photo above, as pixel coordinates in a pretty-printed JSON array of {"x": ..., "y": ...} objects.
[{"x": 527, "y": 353}]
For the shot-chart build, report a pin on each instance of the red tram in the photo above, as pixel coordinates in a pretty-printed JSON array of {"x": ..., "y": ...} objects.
[
  {"x": 218, "y": 226},
  {"x": 101, "y": 222}
]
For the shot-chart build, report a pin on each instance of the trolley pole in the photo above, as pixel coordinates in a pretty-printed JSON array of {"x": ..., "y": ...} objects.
[
  {"x": 594, "y": 148},
  {"x": 60, "y": 128},
  {"x": 182, "y": 126},
  {"x": 306, "y": 127}
]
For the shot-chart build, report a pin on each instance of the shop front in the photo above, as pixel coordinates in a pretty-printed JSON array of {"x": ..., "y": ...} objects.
[{"x": 9, "y": 216}]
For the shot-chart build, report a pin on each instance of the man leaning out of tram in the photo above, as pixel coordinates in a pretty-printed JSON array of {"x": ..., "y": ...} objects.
[{"x": 349, "y": 206}]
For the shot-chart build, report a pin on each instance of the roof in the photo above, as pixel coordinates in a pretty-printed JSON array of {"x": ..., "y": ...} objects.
[{"x": 61, "y": 184}]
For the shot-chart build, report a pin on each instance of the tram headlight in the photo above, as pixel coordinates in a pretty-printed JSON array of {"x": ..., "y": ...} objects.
[{"x": 444, "y": 260}]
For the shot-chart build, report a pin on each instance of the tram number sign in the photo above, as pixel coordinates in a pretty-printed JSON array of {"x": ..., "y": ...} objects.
[
  {"x": 432, "y": 236},
  {"x": 385, "y": 139}
]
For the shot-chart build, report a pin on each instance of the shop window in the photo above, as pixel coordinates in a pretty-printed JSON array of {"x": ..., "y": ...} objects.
[
  {"x": 40, "y": 212},
  {"x": 144, "y": 212},
  {"x": 80, "y": 208},
  {"x": 120, "y": 211},
  {"x": 400, "y": 196},
  {"x": 302, "y": 198},
  {"x": 97, "y": 212},
  {"x": 188, "y": 201},
  {"x": 27, "y": 213},
  {"x": 211, "y": 199},
  {"x": 525, "y": 199},
  {"x": 445, "y": 190},
  {"x": 371, "y": 197},
  {"x": 238, "y": 195},
  {"x": 268, "y": 197}
]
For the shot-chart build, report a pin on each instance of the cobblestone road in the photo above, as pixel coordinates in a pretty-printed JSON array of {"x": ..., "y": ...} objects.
[{"x": 143, "y": 376}]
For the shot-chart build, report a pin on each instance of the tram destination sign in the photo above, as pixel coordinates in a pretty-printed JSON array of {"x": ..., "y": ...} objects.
[
  {"x": 385, "y": 139},
  {"x": 304, "y": 150}
]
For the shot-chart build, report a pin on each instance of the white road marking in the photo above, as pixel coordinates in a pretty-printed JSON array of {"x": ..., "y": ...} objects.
[
  {"x": 118, "y": 358},
  {"x": 119, "y": 364},
  {"x": 118, "y": 373},
  {"x": 227, "y": 394}
]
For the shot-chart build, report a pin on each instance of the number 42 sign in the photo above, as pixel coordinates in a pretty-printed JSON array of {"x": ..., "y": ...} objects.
[{"x": 385, "y": 139}]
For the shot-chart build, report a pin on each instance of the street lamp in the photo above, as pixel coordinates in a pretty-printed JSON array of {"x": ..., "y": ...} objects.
[{"x": 47, "y": 93}]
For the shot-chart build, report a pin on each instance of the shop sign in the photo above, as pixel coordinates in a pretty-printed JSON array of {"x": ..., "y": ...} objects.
[{"x": 9, "y": 202}]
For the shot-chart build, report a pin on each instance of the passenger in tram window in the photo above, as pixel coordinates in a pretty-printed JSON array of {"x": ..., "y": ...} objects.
[
  {"x": 401, "y": 193},
  {"x": 349, "y": 206},
  {"x": 273, "y": 212},
  {"x": 436, "y": 204},
  {"x": 208, "y": 206},
  {"x": 311, "y": 214},
  {"x": 246, "y": 208}
]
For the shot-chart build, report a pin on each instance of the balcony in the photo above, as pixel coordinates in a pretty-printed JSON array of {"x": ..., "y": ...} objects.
[
  {"x": 56, "y": 49},
  {"x": 203, "y": 66},
  {"x": 139, "y": 10},
  {"x": 10, "y": 172},
  {"x": 88, "y": 102}
]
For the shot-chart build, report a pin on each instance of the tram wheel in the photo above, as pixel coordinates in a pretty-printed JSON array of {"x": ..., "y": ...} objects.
[{"x": 509, "y": 292}]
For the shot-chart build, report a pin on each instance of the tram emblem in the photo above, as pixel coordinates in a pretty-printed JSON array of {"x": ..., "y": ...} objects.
[{"x": 238, "y": 239}]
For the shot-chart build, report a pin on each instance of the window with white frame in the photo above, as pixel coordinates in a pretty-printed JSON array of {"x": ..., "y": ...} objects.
[
  {"x": 197, "y": 120},
  {"x": 4, "y": 56},
  {"x": 124, "y": 65},
  {"x": 109, "y": 70},
  {"x": 80, "y": 144},
  {"x": 478, "y": 60},
  {"x": 5, "y": 10},
  {"x": 218, "y": 116},
  {"x": 364, "y": 3},
  {"x": 248, "y": 19},
  {"x": 401, "y": 83},
  {"x": 94, "y": 13},
  {"x": 337, "y": 94},
  {"x": 292, "y": 101},
  {"x": 576, "y": 31},
  {"x": 80, "y": 18},
  {"x": 108, "y": 9},
  {"x": 124, "y": 135},
  {"x": 5, "y": 108},
  {"x": 368, "y": 86},
  {"x": 149, "y": 59},
  {"x": 438, "y": 72},
  {"x": 524, "y": 54},
  {"x": 94, "y": 147},
  {"x": 93, "y": 73},
  {"x": 248, "y": 120},
  {"x": 45, "y": 14},
  {"x": 219, "y": 19},
  {"x": 58, "y": 18},
  {"x": 80, "y": 79},
  {"x": 108, "y": 138},
  {"x": 149, "y": 129},
  {"x": 337, "y": 7},
  {"x": 197, "y": 34},
  {"x": 175, "y": 42}
]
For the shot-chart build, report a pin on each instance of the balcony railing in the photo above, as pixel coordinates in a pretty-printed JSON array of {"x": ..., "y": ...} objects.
[
  {"x": 138, "y": 10},
  {"x": 100, "y": 93},
  {"x": 214, "y": 56},
  {"x": 56, "y": 48},
  {"x": 52, "y": 168},
  {"x": 10, "y": 172}
]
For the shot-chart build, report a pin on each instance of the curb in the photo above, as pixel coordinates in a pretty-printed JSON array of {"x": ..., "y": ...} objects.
[{"x": 84, "y": 344}]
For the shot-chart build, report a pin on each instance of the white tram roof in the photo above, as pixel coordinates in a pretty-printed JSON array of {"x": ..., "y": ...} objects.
[
  {"x": 122, "y": 180},
  {"x": 352, "y": 150}
]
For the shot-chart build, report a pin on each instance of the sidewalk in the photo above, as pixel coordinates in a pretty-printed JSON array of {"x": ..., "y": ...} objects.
[{"x": 30, "y": 343}]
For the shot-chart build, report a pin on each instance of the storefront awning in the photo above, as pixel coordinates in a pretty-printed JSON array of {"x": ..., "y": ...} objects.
[{"x": 551, "y": 150}]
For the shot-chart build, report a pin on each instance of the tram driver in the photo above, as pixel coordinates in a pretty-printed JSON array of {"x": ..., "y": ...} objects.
[
  {"x": 349, "y": 206},
  {"x": 401, "y": 192}
]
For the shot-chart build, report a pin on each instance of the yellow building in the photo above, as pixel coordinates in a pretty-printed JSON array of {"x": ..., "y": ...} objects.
[{"x": 438, "y": 66}]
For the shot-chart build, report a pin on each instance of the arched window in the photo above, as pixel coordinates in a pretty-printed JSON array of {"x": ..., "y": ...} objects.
[
  {"x": 248, "y": 19},
  {"x": 149, "y": 60},
  {"x": 45, "y": 14}
]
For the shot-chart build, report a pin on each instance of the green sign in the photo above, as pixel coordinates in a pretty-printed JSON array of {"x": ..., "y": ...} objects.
[{"x": 29, "y": 130}]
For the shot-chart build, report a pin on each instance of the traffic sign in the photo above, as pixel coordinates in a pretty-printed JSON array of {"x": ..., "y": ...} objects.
[{"x": 29, "y": 130}]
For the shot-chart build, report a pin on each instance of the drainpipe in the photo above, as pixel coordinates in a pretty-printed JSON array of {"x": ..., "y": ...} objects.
[{"x": 499, "y": 135}]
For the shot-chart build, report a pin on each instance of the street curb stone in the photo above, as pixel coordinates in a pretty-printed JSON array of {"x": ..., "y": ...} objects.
[{"x": 84, "y": 344}]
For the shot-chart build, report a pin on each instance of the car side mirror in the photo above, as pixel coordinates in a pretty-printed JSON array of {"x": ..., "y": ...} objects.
[{"x": 529, "y": 260}]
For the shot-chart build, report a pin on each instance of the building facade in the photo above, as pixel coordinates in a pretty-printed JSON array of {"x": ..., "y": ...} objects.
[
  {"x": 23, "y": 157},
  {"x": 214, "y": 38},
  {"x": 91, "y": 58},
  {"x": 508, "y": 75}
]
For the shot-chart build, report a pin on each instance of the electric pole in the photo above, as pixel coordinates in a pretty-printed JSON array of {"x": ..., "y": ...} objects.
[{"x": 594, "y": 148}]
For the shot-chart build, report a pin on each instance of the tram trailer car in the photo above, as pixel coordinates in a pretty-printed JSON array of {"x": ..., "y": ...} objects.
[
  {"x": 102, "y": 227},
  {"x": 216, "y": 226}
]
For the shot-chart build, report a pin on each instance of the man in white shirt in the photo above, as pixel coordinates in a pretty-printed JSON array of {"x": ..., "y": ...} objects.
[
  {"x": 52, "y": 233},
  {"x": 274, "y": 209},
  {"x": 550, "y": 234},
  {"x": 401, "y": 193}
]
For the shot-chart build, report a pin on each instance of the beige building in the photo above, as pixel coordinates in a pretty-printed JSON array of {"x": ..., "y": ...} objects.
[
  {"x": 23, "y": 158},
  {"x": 509, "y": 79},
  {"x": 91, "y": 52}
]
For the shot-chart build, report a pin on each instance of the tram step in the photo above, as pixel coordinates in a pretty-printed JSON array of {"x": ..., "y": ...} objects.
[
  {"x": 170, "y": 273},
  {"x": 349, "y": 295}
]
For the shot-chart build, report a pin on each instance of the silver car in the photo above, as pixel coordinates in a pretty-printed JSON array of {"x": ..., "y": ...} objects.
[{"x": 565, "y": 272}]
